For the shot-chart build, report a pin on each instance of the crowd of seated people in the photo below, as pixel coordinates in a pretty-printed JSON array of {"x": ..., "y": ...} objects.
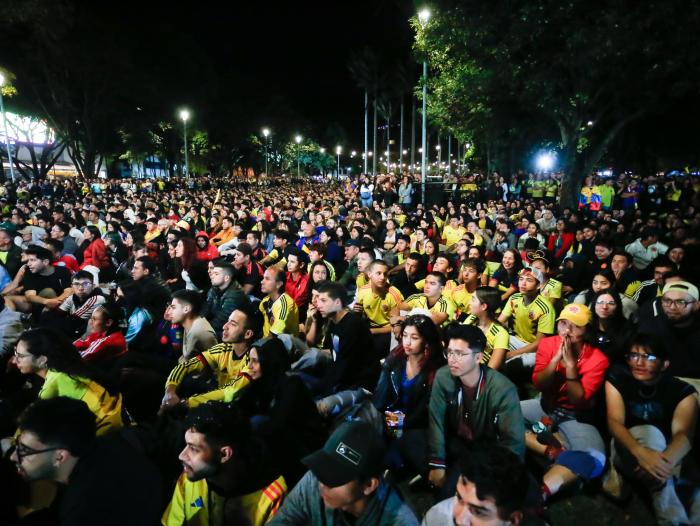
[{"x": 293, "y": 354}]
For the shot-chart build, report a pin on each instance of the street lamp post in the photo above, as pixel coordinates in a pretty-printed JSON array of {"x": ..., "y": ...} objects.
[
  {"x": 7, "y": 135},
  {"x": 297, "y": 139},
  {"x": 423, "y": 18},
  {"x": 338, "y": 149},
  {"x": 185, "y": 115},
  {"x": 266, "y": 134}
]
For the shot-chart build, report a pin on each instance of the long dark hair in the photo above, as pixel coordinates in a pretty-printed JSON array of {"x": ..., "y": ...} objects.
[
  {"x": 274, "y": 363},
  {"x": 517, "y": 265},
  {"x": 60, "y": 355},
  {"x": 433, "y": 358}
]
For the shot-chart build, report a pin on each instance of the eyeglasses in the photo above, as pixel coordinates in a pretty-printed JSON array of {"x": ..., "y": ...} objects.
[
  {"x": 639, "y": 357},
  {"x": 22, "y": 355},
  {"x": 667, "y": 302},
  {"x": 455, "y": 354},
  {"x": 603, "y": 302},
  {"x": 23, "y": 450},
  {"x": 81, "y": 284}
]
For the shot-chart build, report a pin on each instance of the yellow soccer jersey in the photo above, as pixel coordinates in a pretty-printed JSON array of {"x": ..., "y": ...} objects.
[
  {"x": 452, "y": 235},
  {"x": 232, "y": 373},
  {"x": 461, "y": 298},
  {"x": 551, "y": 289},
  {"x": 195, "y": 504},
  {"x": 106, "y": 407},
  {"x": 538, "y": 316},
  {"x": 280, "y": 316},
  {"x": 361, "y": 280},
  {"x": 377, "y": 308},
  {"x": 497, "y": 337},
  {"x": 443, "y": 304}
]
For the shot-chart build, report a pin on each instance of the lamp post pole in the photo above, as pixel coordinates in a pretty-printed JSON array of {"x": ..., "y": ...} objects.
[
  {"x": 338, "y": 149},
  {"x": 266, "y": 133},
  {"x": 297, "y": 139},
  {"x": 185, "y": 115},
  {"x": 7, "y": 135},
  {"x": 423, "y": 18}
]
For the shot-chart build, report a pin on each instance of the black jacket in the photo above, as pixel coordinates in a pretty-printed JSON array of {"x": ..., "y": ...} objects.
[{"x": 386, "y": 395}]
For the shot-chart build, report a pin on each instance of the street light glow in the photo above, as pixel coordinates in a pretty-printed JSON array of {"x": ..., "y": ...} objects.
[
  {"x": 438, "y": 147},
  {"x": 424, "y": 16},
  {"x": 2, "y": 79},
  {"x": 266, "y": 132},
  {"x": 184, "y": 115},
  {"x": 297, "y": 139},
  {"x": 545, "y": 161},
  {"x": 322, "y": 150},
  {"x": 338, "y": 149}
]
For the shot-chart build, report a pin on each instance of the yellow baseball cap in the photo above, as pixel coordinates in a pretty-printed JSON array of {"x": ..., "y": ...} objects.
[{"x": 577, "y": 314}]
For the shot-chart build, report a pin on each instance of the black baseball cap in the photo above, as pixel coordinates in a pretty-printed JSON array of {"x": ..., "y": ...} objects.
[
  {"x": 354, "y": 451},
  {"x": 353, "y": 243}
]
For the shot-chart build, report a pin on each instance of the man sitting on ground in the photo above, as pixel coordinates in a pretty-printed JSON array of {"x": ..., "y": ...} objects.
[
  {"x": 225, "y": 479},
  {"x": 344, "y": 484},
  {"x": 227, "y": 361},
  {"x": 185, "y": 310}
]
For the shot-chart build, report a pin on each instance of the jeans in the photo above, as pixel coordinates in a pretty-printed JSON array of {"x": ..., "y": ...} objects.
[{"x": 585, "y": 450}]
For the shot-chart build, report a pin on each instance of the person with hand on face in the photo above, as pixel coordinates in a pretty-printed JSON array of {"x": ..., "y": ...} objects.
[
  {"x": 185, "y": 310},
  {"x": 569, "y": 372},
  {"x": 97, "y": 476},
  {"x": 344, "y": 484},
  {"x": 228, "y": 361},
  {"x": 651, "y": 416},
  {"x": 226, "y": 478}
]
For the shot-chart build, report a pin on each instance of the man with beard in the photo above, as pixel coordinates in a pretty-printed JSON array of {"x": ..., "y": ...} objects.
[
  {"x": 227, "y": 361},
  {"x": 225, "y": 479},
  {"x": 100, "y": 479},
  {"x": 674, "y": 317}
]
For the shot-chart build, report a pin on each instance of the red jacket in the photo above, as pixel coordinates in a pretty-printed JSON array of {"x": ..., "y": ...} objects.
[
  {"x": 100, "y": 346},
  {"x": 567, "y": 240},
  {"x": 210, "y": 252},
  {"x": 299, "y": 289},
  {"x": 96, "y": 255}
]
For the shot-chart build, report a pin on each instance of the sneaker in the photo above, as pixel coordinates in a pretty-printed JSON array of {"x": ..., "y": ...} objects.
[
  {"x": 614, "y": 485},
  {"x": 668, "y": 507}
]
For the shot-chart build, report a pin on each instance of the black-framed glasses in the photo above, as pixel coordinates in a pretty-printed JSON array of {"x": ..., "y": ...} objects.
[
  {"x": 23, "y": 450},
  {"x": 639, "y": 357},
  {"x": 667, "y": 302}
]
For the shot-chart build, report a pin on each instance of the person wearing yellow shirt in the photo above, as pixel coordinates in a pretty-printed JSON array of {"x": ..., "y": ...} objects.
[
  {"x": 484, "y": 303},
  {"x": 227, "y": 361},
  {"x": 470, "y": 278},
  {"x": 364, "y": 260},
  {"x": 442, "y": 309},
  {"x": 45, "y": 353},
  {"x": 443, "y": 264},
  {"x": 280, "y": 312},
  {"x": 377, "y": 301},
  {"x": 533, "y": 317},
  {"x": 551, "y": 288},
  {"x": 453, "y": 232},
  {"x": 224, "y": 475}
]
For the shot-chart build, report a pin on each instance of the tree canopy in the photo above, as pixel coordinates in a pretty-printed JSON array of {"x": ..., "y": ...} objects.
[{"x": 576, "y": 72}]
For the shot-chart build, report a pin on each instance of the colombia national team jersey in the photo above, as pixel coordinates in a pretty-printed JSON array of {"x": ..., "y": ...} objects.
[{"x": 538, "y": 316}]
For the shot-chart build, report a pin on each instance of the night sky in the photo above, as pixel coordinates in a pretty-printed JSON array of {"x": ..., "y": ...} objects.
[{"x": 284, "y": 63}]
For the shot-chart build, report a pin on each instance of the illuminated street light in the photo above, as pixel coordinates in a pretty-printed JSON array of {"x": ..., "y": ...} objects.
[
  {"x": 297, "y": 139},
  {"x": 266, "y": 134},
  {"x": 545, "y": 161},
  {"x": 338, "y": 149},
  {"x": 7, "y": 135},
  {"x": 185, "y": 115}
]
